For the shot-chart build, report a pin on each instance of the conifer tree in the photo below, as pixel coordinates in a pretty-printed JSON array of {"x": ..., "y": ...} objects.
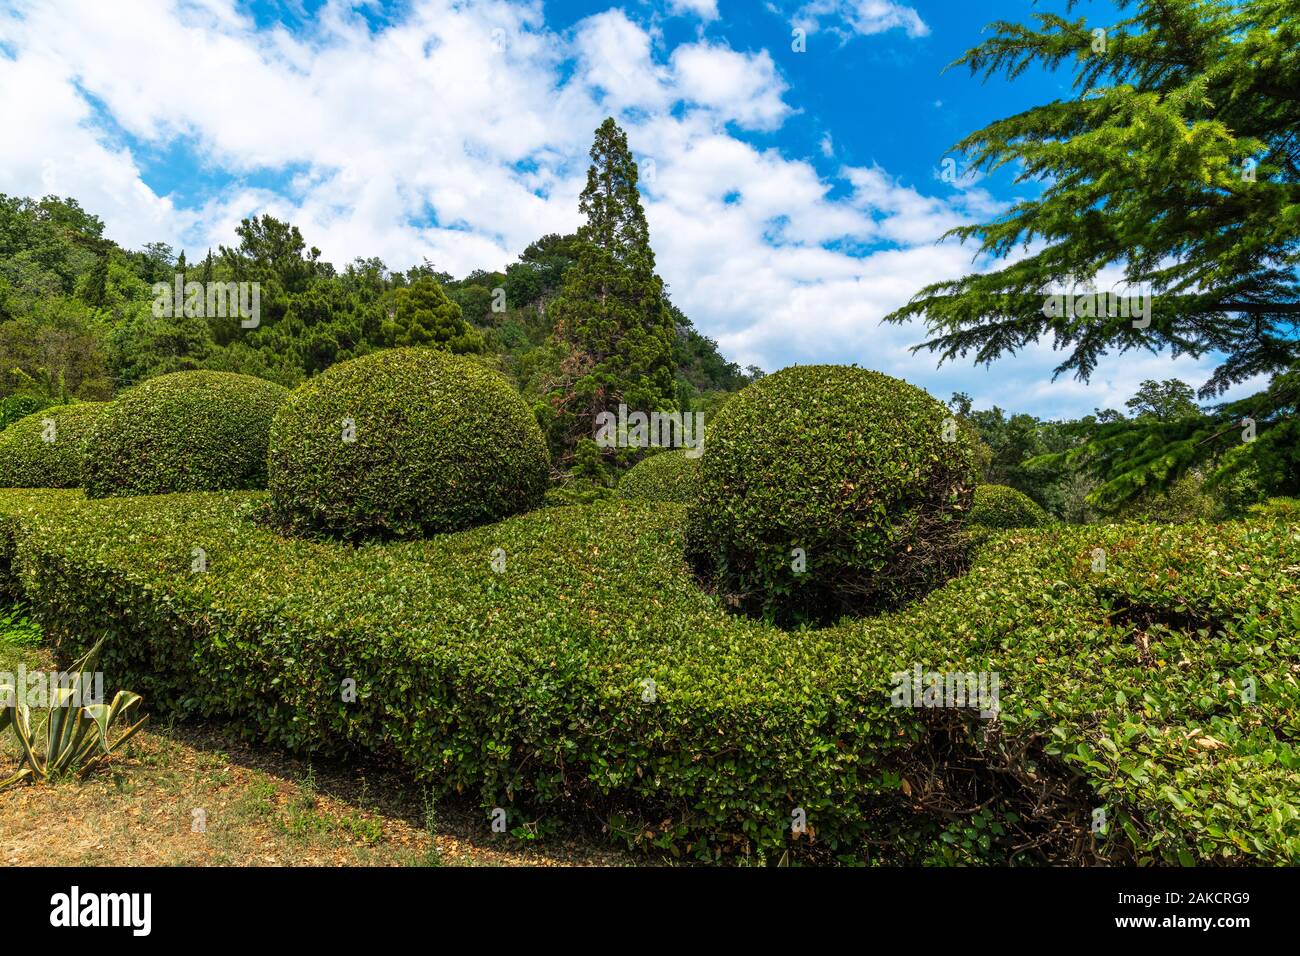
[
  {"x": 611, "y": 316},
  {"x": 422, "y": 314},
  {"x": 1176, "y": 161}
]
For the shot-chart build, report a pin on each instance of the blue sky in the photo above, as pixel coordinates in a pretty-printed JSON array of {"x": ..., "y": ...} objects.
[{"x": 794, "y": 197}]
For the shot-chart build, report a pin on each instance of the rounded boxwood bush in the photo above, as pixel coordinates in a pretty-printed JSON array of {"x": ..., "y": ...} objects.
[
  {"x": 402, "y": 443},
  {"x": 666, "y": 476},
  {"x": 828, "y": 490},
  {"x": 999, "y": 506},
  {"x": 187, "y": 431},
  {"x": 46, "y": 448}
]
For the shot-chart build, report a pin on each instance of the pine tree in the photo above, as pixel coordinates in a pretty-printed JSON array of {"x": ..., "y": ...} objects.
[
  {"x": 1175, "y": 162},
  {"x": 611, "y": 316},
  {"x": 422, "y": 314}
]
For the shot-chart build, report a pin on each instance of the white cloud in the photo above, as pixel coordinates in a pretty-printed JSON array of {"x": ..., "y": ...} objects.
[
  {"x": 704, "y": 9},
  {"x": 615, "y": 58},
  {"x": 743, "y": 87},
  {"x": 860, "y": 17}
]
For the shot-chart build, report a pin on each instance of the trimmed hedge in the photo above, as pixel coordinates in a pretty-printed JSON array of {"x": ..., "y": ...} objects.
[
  {"x": 47, "y": 448},
  {"x": 437, "y": 443},
  {"x": 827, "y": 490},
  {"x": 590, "y": 674},
  {"x": 1000, "y": 506},
  {"x": 15, "y": 506},
  {"x": 187, "y": 431},
  {"x": 666, "y": 476}
]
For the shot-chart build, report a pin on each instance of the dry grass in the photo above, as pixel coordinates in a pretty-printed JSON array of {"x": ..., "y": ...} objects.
[{"x": 257, "y": 807}]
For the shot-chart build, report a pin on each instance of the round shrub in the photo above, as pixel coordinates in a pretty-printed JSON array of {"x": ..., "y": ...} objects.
[
  {"x": 188, "y": 431},
  {"x": 402, "y": 443},
  {"x": 46, "y": 449},
  {"x": 666, "y": 476},
  {"x": 998, "y": 506},
  {"x": 827, "y": 490}
]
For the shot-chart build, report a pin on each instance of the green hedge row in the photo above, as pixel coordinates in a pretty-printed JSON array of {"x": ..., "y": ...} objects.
[
  {"x": 17, "y": 506},
  {"x": 565, "y": 659},
  {"x": 47, "y": 448}
]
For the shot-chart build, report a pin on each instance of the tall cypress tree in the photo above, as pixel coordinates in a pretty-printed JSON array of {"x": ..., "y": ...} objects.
[{"x": 611, "y": 317}]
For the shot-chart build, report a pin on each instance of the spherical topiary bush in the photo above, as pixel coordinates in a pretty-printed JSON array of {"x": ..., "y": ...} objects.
[
  {"x": 666, "y": 476},
  {"x": 998, "y": 506},
  {"x": 827, "y": 490},
  {"x": 402, "y": 443},
  {"x": 46, "y": 449},
  {"x": 188, "y": 431}
]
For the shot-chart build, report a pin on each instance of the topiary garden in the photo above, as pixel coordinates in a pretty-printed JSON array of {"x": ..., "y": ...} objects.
[
  {"x": 46, "y": 449},
  {"x": 596, "y": 645},
  {"x": 999, "y": 507}
]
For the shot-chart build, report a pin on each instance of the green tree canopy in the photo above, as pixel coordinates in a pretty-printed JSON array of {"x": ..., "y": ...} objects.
[
  {"x": 611, "y": 313},
  {"x": 1176, "y": 162},
  {"x": 1167, "y": 400},
  {"x": 421, "y": 314}
]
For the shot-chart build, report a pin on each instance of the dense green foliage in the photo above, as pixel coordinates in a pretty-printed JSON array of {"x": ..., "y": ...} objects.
[
  {"x": 77, "y": 317},
  {"x": 1010, "y": 442},
  {"x": 1158, "y": 689},
  {"x": 404, "y": 443},
  {"x": 1184, "y": 500},
  {"x": 666, "y": 476},
  {"x": 828, "y": 489},
  {"x": 14, "y": 407},
  {"x": 1279, "y": 509},
  {"x": 1175, "y": 162},
  {"x": 423, "y": 315},
  {"x": 613, "y": 325},
  {"x": 1077, "y": 469},
  {"x": 1256, "y": 438},
  {"x": 997, "y": 506},
  {"x": 189, "y": 431},
  {"x": 47, "y": 448}
]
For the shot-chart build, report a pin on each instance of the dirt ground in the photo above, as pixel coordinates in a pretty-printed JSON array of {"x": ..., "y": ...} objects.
[{"x": 196, "y": 795}]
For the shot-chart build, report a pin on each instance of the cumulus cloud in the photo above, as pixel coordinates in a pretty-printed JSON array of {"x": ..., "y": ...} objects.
[
  {"x": 859, "y": 17},
  {"x": 704, "y": 9},
  {"x": 744, "y": 87}
]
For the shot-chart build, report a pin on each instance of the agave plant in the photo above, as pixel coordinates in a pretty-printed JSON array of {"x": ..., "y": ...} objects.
[{"x": 77, "y": 736}]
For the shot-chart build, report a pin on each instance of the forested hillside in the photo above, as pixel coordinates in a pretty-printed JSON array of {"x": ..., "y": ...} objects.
[{"x": 77, "y": 318}]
